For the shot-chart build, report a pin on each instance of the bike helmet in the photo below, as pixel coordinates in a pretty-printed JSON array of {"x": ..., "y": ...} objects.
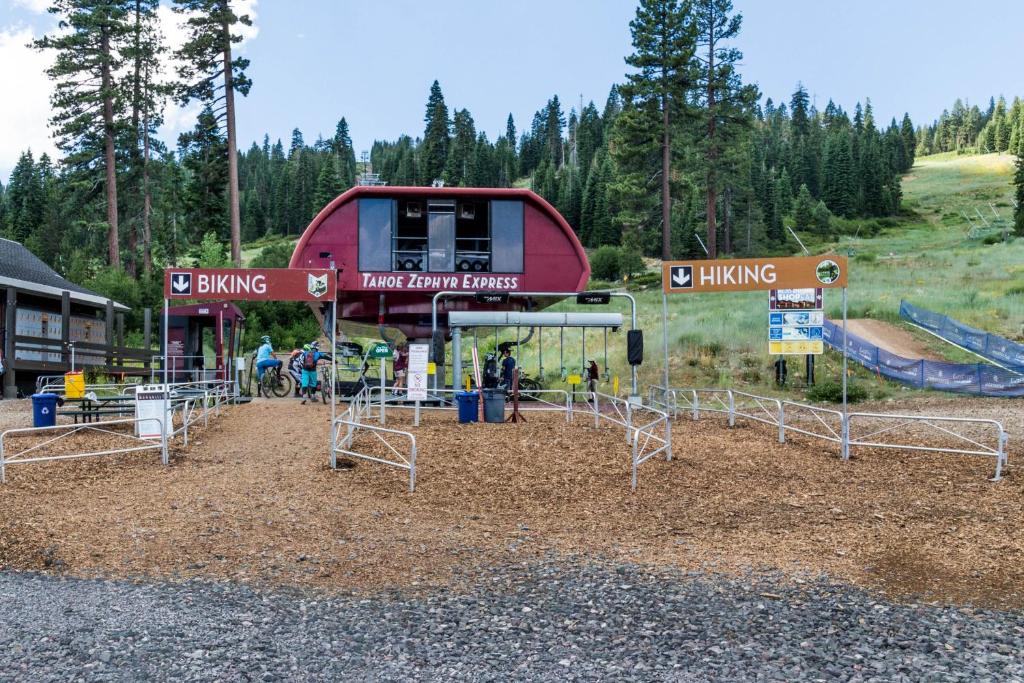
[
  {"x": 315, "y": 345},
  {"x": 265, "y": 339},
  {"x": 307, "y": 347}
]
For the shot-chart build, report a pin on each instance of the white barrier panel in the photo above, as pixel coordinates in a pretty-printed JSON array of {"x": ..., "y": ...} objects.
[
  {"x": 964, "y": 436},
  {"x": 64, "y": 431}
]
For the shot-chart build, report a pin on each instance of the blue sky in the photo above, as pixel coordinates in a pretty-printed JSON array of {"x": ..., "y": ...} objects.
[{"x": 314, "y": 61}]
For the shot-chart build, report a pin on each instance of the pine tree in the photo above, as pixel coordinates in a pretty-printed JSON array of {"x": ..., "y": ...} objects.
[
  {"x": 147, "y": 102},
  {"x": 803, "y": 209},
  {"x": 328, "y": 185},
  {"x": 909, "y": 142},
  {"x": 202, "y": 152},
  {"x": 727, "y": 104},
  {"x": 86, "y": 99},
  {"x": 341, "y": 146},
  {"x": 664, "y": 42},
  {"x": 205, "y": 60},
  {"x": 461, "y": 149},
  {"x": 436, "y": 136},
  {"x": 24, "y": 199}
]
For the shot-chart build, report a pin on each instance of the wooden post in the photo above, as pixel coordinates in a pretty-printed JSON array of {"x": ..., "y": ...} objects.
[
  {"x": 65, "y": 327},
  {"x": 10, "y": 328},
  {"x": 147, "y": 334},
  {"x": 119, "y": 317},
  {"x": 109, "y": 324}
]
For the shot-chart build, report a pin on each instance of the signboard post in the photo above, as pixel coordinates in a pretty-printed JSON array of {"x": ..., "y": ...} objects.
[
  {"x": 382, "y": 351},
  {"x": 150, "y": 406},
  {"x": 419, "y": 355},
  {"x": 795, "y": 322},
  {"x": 798, "y": 334}
]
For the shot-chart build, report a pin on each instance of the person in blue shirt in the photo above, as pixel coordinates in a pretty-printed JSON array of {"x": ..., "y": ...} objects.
[
  {"x": 264, "y": 359},
  {"x": 310, "y": 381}
]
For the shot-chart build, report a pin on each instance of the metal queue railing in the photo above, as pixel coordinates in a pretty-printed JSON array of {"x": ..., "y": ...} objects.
[{"x": 928, "y": 433}]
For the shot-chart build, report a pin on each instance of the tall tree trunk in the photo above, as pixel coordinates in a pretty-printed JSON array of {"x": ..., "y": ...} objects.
[
  {"x": 727, "y": 220},
  {"x": 229, "y": 110},
  {"x": 712, "y": 157},
  {"x": 666, "y": 199},
  {"x": 147, "y": 202},
  {"x": 113, "y": 241}
]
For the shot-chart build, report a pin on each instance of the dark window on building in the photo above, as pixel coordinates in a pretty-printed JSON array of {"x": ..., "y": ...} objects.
[
  {"x": 376, "y": 218},
  {"x": 506, "y": 236}
]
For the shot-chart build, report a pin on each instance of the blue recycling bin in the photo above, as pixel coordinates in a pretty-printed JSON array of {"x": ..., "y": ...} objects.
[
  {"x": 44, "y": 410},
  {"x": 469, "y": 402}
]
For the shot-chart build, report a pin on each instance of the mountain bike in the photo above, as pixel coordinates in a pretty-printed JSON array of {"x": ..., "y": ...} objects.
[{"x": 276, "y": 383}]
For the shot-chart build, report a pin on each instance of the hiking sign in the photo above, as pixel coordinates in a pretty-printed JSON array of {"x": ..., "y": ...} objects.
[{"x": 742, "y": 275}]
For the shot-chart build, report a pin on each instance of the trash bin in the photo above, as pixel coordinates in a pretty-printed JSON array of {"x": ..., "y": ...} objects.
[
  {"x": 74, "y": 384},
  {"x": 469, "y": 406},
  {"x": 494, "y": 405},
  {"x": 44, "y": 410}
]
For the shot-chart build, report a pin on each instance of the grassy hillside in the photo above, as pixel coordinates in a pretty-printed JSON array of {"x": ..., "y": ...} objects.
[{"x": 927, "y": 258}]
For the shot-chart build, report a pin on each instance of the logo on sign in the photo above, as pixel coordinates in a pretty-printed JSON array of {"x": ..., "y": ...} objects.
[
  {"x": 827, "y": 272},
  {"x": 682, "y": 277},
  {"x": 181, "y": 283},
  {"x": 317, "y": 285}
]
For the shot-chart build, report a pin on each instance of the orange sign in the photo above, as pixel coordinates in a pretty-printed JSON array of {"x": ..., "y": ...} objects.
[{"x": 743, "y": 275}]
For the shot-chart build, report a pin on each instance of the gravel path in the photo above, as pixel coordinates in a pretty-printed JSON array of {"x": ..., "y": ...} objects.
[{"x": 548, "y": 622}]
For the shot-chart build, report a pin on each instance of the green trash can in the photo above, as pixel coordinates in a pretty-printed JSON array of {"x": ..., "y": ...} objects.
[{"x": 494, "y": 405}]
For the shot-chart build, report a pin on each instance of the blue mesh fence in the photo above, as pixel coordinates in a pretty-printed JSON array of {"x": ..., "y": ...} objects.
[
  {"x": 974, "y": 378},
  {"x": 997, "y": 349}
]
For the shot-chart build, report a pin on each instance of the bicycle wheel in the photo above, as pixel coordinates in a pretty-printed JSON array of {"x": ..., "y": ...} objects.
[
  {"x": 529, "y": 384},
  {"x": 280, "y": 385}
]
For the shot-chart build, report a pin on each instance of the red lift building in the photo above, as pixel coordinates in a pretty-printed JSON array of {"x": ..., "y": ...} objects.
[{"x": 396, "y": 247}]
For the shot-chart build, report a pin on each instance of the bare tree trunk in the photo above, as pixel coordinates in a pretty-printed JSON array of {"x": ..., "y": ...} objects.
[
  {"x": 147, "y": 202},
  {"x": 113, "y": 241},
  {"x": 727, "y": 220},
  {"x": 712, "y": 157},
  {"x": 229, "y": 106},
  {"x": 666, "y": 199}
]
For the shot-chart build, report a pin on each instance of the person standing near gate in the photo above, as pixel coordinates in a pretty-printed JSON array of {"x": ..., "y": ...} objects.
[
  {"x": 310, "y": 357},
  {"x": 401, "y": 367},
  {"x": 508, "y": 367},
  {"x": 592, "y": 375}
]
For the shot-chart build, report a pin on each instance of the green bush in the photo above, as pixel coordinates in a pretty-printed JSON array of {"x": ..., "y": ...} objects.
[
  {"x": 866, "y": 257},
  {"x": 832, "y": 392},
  {"x": 606, "y": 263}
]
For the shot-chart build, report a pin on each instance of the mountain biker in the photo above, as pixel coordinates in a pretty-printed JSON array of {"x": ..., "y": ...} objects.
[
  {"x": 310, "y": 357},
  {"x": 295, "y": 370},
  {"x": 264, "y": 359}
]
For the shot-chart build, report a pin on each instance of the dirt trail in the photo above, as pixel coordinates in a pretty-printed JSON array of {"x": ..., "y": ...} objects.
[
  {"x": 252, "y": 500},
  {"x": 891, "y": 338}
]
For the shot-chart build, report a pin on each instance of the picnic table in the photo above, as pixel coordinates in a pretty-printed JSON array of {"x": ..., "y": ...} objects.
[{"x": 91, "y": 408}]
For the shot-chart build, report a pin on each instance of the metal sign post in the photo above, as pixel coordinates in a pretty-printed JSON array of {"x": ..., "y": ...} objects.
[
  {"x": 334, "y": 368},
  {"x": 846, "y": 414}
]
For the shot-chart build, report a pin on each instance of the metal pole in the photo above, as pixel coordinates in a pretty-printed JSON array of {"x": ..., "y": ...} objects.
[
  {"x": 456, "y": 360},
  {"x": 334, "y": 370},
  {"x": 846, "y": 419},
  {"x": 165, "y": 416},
  {"x": 664, "y": 326},
  {"x": 383, "y": 370}
]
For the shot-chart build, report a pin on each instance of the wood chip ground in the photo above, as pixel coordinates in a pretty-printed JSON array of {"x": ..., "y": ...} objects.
[{"x": 252, "y": 500}]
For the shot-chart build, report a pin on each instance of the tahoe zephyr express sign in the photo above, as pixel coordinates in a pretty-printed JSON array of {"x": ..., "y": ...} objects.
[{"x": 250, "y": 284}]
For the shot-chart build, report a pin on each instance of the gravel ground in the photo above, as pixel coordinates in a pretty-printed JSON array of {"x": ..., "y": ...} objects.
[{"x": 547, "y": 621}]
